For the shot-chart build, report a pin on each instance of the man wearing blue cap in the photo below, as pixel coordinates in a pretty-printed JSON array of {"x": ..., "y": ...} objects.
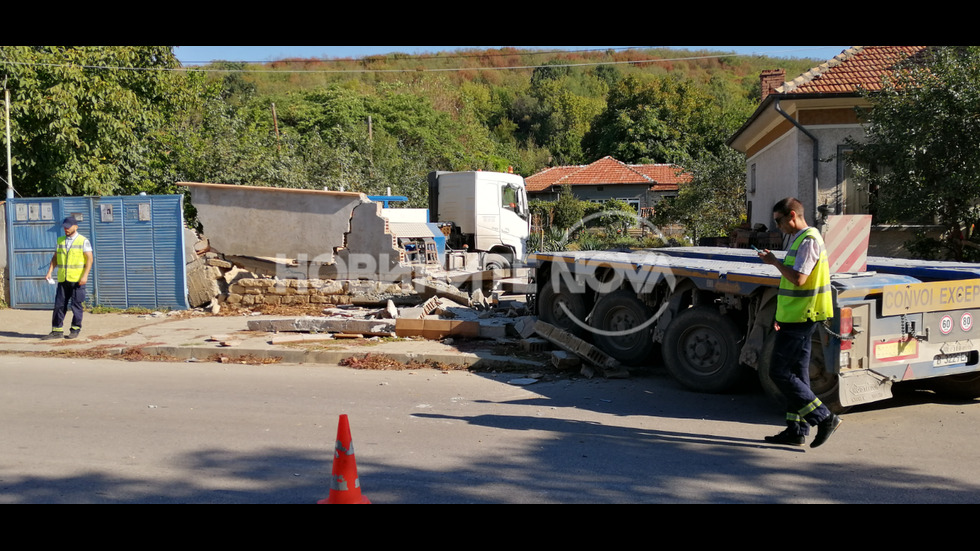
[{"x": 73, "y": 259}]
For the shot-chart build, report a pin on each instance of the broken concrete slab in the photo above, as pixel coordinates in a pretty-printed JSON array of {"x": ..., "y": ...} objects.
[
  {"x": 301, "y": 337},
  {"x": 434, "y": 287},
  {"x": 201, "y": 284},
  {"x": 391, "y": 311},
  {"x": 524, "y": 326},
  {"x": 309, "y": 324}
]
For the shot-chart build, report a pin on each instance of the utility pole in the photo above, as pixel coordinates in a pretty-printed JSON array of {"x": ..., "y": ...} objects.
[{"x": 6, "y": 109}]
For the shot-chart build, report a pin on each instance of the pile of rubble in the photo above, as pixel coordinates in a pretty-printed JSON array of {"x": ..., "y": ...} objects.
[{"x": 424, "y": 308}]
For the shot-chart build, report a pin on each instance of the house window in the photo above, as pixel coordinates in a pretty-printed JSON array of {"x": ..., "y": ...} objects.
[
  {"x": 854, "y": 195},
  {"x": 752, "y": 179}
]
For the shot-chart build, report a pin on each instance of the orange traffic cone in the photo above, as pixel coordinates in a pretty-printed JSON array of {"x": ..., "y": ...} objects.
[{"x": 345, "y": 487}]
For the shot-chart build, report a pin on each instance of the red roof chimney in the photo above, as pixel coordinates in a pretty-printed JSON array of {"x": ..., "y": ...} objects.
[{"x": 772, "y": 79}]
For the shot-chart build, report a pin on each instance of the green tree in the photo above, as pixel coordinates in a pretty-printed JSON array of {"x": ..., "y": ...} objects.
[
  {"x": 614, "y": 215},
  {"x": 659, "y": 120},
  {"x": 713, "y": 202},
  {"x": 89, "y": 119},
  {"x": 568, "y": 209},
  {"x": 923, "y": 128}
]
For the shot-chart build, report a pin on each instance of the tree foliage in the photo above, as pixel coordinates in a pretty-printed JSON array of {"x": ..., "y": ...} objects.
[
  {"x": 662, "y": 120},
  {"x": 88, "y": 119},
  {"x": 713, "y": 202},
  {"x": 124, "y": 119},
  {"x": 923, "y": 136}
]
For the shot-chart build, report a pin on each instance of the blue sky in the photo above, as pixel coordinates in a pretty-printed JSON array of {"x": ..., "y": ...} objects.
[{"x": 191, "y": 55}]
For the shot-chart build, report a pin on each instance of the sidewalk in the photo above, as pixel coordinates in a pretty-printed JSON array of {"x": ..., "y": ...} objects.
[{"x": 197, "y": 336}]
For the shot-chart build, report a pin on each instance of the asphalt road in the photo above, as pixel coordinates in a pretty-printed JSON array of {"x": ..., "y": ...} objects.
[{"x": 90, "y": 431}]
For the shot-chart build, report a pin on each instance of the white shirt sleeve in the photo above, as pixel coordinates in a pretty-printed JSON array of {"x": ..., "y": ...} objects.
[{"x": 807, "y": 256}]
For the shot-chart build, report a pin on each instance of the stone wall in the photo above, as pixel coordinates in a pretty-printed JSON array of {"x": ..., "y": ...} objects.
[{"x": 249, "y": 291}]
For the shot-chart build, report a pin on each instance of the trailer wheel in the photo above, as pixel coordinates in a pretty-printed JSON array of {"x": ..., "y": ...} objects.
[
  {"x": 964, "y": 386},
  {"x": 700, "y": 349},
  {"x": 621, "y": 313},
  {"x": 550, "y": 302},
  {"x": 825, "y": 386}
]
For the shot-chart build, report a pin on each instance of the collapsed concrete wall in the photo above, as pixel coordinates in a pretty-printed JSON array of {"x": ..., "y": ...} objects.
[
  {"x": 271, "y": 222},
  {"x": 331, "y": 234}
]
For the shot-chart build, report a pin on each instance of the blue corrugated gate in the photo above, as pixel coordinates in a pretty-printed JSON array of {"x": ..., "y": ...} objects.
[{"x": 138, "y": 244}]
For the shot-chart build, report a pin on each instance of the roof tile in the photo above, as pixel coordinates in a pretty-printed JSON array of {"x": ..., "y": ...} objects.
[
  {"x": 856, "y": 68},
  {"x": 609, "y": 171}
]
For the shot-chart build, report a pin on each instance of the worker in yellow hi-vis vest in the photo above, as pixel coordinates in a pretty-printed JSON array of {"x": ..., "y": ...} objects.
[
  {"x": 73, "y": 258},
  {"x": 804, "y": 300}
]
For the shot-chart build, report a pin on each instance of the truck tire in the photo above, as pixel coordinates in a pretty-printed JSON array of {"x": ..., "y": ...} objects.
[
  {"x": 496, "y": 262},
  {"x": 701, "y": 350},
  {"x": 622, "y": 312},
  {"x": 825, "y": 386},
  {"x": 550, "y": 302},
  {"x": 965, "y": 386}
]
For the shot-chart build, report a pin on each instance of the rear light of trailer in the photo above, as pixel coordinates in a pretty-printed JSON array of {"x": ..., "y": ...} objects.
[{"x": 846, "y": 328}]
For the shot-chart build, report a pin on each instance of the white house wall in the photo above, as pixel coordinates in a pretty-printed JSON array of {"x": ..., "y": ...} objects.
[
  {"x": 785, "y": 168},
  {"x": 776, "y": 171}
]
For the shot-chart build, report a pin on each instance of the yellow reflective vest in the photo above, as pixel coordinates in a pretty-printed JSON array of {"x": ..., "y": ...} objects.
[
  {"x": 71, "y": 260},
  {"x": 812, "y": 300}
]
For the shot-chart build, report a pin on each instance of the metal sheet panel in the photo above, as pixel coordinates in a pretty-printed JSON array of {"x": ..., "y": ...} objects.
[{"x": 138, "y": 243}]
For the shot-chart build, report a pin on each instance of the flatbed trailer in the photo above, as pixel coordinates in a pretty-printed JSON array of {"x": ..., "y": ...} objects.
[{"x": 708, "y": 312}]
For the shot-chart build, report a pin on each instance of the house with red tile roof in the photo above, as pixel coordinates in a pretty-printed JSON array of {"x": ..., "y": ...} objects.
[
  {"x": 795, "y": 142},
  {"x": 641, "y": 186}
]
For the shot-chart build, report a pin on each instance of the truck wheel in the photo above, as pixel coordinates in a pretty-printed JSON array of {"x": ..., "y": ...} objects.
[
  {"x": 620, "y": 313},
  {"x": 824, "y": 385},
  {"x": 496, "y": 262},
  {"x": 550, "y": 302},
  {"x": 964, "y": 386},
  {"x": 700, "y": 349}
]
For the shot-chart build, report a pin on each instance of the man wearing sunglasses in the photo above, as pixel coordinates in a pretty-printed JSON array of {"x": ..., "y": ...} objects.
[{"x": 804, "y": 300}]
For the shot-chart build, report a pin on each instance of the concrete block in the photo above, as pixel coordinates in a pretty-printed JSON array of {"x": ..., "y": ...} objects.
[
  {"x": 436, "y": 328},
  {"x": 570, "y": 343},
  {"x": 524, "y": 326},
  {"x": 533, "y": 344},
  {"x": 492, "y": 330},
  {"x": 564, "y": 360}
]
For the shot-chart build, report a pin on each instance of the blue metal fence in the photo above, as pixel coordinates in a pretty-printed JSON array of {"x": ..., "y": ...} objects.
[{"x": 138, "y": 244}]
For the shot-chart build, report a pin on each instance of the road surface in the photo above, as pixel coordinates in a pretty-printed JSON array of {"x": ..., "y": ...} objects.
[{"x": 109, "y": 431}]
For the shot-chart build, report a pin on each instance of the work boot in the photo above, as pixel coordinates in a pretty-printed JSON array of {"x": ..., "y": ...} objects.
[
  {"x": 73, "y": 334},
  {"x": 53, "y": 335},
  {"x": 787, "y": 437},
  {"x": 825, "y": 429}
]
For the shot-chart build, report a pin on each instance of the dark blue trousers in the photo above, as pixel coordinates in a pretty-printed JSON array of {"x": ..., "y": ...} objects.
[
  {"x": 790, "y": 371},
  {"x": 69, "y": 294}
]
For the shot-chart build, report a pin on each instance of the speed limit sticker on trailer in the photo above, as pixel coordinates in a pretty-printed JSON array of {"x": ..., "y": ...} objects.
[
  {"x": 946, "y": 324},
  {"x": 966, "y": 321}
]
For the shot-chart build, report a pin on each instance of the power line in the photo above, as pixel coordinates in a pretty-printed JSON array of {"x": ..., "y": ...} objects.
[
  {"x": 408, "y": 70},
  {"x": 426, "y": 57}
]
